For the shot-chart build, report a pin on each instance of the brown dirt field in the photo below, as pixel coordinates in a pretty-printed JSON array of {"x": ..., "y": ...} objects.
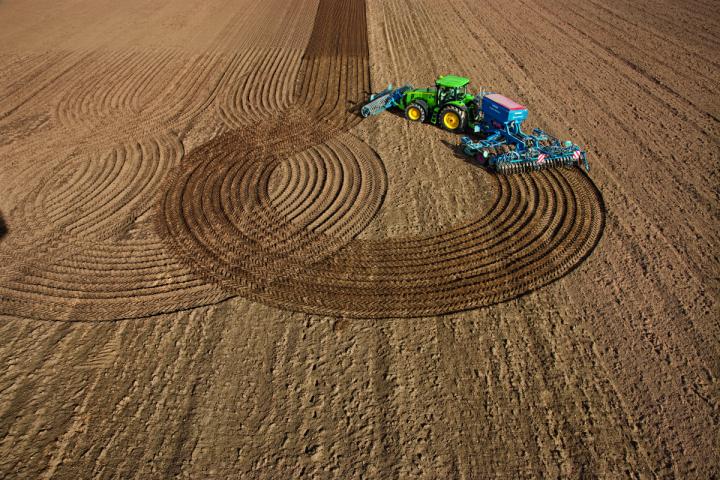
[{"x": 212, "y": 268}]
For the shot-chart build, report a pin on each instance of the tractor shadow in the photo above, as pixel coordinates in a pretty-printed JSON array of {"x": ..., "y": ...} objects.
[
  {"x": 456, "y": 149},
  {"x": 426, "y": 123},
  {"x": 3, "y": 227},
  {"x": 354, "y": 107}
]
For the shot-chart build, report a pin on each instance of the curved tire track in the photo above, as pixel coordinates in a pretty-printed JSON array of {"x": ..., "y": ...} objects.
[
  {"x": 83, "y": 250},
  {"x": 271, "y": 209},
  {"x": 271, "y": 240}
]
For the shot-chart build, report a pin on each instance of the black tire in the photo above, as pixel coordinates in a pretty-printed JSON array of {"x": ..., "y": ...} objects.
[
  {"x": 481, "y": 159},
  {"x": 461, "y": 115},
  {"x": 422, "y": 106}
]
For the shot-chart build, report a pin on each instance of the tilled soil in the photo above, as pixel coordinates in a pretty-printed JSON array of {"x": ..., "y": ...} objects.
[{"x": 211, "y": 267}]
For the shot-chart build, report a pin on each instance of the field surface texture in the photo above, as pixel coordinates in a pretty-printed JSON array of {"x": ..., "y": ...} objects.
[{"x": 212, "y": 267}]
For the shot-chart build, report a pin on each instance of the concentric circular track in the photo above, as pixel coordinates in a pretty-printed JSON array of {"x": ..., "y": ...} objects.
[
  {"x": 538, "y": 228},
  {"x": 271, "y": 209},
  {"x": 84, "y": 248},
  {"x": 220, "y": 214}
]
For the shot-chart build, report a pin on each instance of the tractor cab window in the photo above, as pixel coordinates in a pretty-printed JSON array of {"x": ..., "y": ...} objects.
[
  {"x": 442, "y": 95},
  {"x": 446, "y": 94}
]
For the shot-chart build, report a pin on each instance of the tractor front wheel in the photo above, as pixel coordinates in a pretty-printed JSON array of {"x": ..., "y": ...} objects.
[
  {"x": 452, "y": 118},
  {"x": 416, "y": 111}
]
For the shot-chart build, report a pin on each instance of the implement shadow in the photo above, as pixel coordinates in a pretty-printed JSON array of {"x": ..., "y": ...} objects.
[{"x": 457, "y": 151}]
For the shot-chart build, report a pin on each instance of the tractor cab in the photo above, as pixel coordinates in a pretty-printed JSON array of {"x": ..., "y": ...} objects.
[{"x": 451, "y": 88}]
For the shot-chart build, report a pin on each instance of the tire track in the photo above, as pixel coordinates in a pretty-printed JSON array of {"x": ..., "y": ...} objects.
[
  {"x": 76, "y": 254},
  {"x": 231, "y": 229},
  {"x": 133, "y": 90},
  {"x": 260, "y": 86},
  {"x": 90, "y": 249},
  {"x": 292, "y": 247},
  {"x": 501, "y": 255},
  {"x": 270, "y": 209}
]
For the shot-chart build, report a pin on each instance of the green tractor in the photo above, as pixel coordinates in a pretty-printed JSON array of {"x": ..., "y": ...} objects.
[{"x": 448, "y": 104}]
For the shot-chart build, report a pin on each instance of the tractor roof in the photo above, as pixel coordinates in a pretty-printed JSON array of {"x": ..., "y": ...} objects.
[{"x": 451, "y": 81}]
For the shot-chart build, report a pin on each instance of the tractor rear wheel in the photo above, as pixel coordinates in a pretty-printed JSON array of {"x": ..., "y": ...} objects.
[
  {"x": 416, "y": 111},
  {"x": 452, "y": 118}
]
